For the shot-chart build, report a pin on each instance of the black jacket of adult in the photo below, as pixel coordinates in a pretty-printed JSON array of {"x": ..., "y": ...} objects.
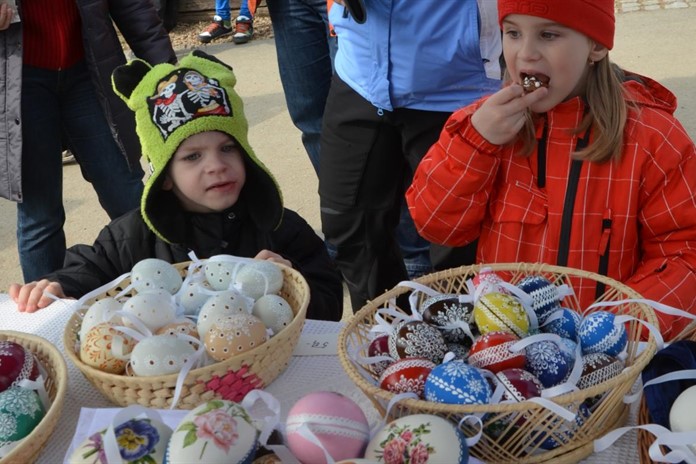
[{"x": 141, "y": 27}]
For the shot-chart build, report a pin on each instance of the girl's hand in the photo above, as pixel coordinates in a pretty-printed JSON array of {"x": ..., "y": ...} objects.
[
  {"x": 30, "y": 297},
  {"x": 502, "y": 116},
  {"x": 5, "y": 16},
  {"x": 274, "y": 257}
]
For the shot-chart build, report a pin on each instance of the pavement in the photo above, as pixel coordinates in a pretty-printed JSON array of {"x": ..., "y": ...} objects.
[{"x": 654, "y": 38}]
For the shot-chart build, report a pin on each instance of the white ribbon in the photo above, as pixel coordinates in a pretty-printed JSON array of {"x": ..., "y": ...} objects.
[
  {"x": 264, "y": 410},
  {"x": 678, "y": 441},
  {"x": 472, "y": 441},
  {"x": 382, "y": 326},
  {"x": 684, "y": 374},
  {"x": 194, "y": 360},
  {"x": 39, "y": 387}
]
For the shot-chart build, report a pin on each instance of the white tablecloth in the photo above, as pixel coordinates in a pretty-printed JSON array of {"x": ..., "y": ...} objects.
[{"x": 304, "y": 374}]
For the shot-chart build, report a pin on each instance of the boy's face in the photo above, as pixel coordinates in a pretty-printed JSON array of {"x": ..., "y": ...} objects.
[{"x": 206, "y": 172}]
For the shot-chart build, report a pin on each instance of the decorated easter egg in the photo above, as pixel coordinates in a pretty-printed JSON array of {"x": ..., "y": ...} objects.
[
  {"x": 336, "y": 421},
  {"x": 20, "y": 411},
  {"x": 458, "y": 350},
  {"x": 220, "y": 270},
  {"x": 456, "y": 382},
  {"x": 180, "y": 327},
  {"x": 379, "y": 346},
  {"x": 105, "y": 348},
  {"x": 100, "y": 311},
  {"x": 154, "y": 309},
  {"x": 450, "y": 316},
  {"x": 519, "y": 384},
  {"x": 493, "y": 351},
  {"x": 274, "y": 311},
  {"x": 160, "y": 355},
  {"x": 216, "y": 432},
  {"x": 155, "y": 274},
  {"x": 681, "y": 415},
  {"x": 600, "y": 334},
  {"x": 406, "y": 375},
  {"x": 233, "y": 335},
  {"x": 416, "y": 339},
  {"x": 192, "y": 297},
  {"x": 598, "y": 368},
  {"x": 140, "y": 439},
  {"x": 259, "y": 278},
  {"x": 16, "y": 364},
  {"x": 487, "y": 281},
  {"x": 548, "y": 363},
  {"x": 563, "y": 322},
  {"x": 418, "y": 438},
  {"x": 496, "y": 311},
  {"x": 223, "y": 304},
  {"x": 545, "y": 296}
]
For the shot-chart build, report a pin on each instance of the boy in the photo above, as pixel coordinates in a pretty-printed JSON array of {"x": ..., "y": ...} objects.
[{"x": 208, "y": 193}]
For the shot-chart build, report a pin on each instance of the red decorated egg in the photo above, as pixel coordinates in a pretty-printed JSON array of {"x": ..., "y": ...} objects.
[
  {"x": 406, "y": 375},
  {"x": 417, "y": 339},
  {"x": 451, "y": 316},
  {"x": 598, "y": 368},
  {"x": 496, "y": 311},
  {"x": 379, "y": 346},
  {"x": 520, "y": 385},
  {"x": 16, "y": 364},
  {"x": 492, "y": 351}
]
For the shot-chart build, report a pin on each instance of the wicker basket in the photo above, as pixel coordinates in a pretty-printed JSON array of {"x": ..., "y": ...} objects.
[
  {"x": 528, "y": 423},
  {"x": 230, "y": 379},
  {"x": 56, "y": 384}
]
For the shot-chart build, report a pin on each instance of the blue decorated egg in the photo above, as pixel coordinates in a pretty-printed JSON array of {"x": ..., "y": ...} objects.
[
  {"x": 563, "y": 322},
  {"x": 416, "y": 339},
  {"x": 545, "y": 297},
  {"x": 497, "y": 311},
  {"x": 600, "y": 334},
  {"x": 548, "y": 363},
  {"x": 456, "y": 382}
]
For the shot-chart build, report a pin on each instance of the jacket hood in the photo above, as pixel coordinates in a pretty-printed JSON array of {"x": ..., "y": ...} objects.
[{"x": 646, "y": 92}]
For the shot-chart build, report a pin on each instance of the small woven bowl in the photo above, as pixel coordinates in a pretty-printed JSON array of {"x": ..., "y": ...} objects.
[
  {"x": 56, "y": 383},
  {"x": 231, "y": 379},
  {"x": 528, "y": 422}
]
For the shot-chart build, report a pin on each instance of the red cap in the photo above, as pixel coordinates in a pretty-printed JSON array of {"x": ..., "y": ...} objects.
[{"x": 594, "y": 18}]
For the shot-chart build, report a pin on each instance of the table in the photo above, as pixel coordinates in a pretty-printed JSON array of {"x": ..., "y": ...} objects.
[{"x": 304, "y": 374}]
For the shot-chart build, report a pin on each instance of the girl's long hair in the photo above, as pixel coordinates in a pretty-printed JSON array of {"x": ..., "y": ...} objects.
[{"x": 607, "y": 114}]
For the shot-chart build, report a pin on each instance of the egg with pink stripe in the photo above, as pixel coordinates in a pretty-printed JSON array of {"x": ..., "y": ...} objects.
[{"x": 326, "y": 421}]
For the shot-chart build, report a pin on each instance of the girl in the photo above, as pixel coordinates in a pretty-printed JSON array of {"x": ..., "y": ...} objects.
[{"x": 586, "y": 168}]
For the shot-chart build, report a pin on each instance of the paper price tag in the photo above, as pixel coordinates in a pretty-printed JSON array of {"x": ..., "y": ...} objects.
[{"x": 317, "y": 345}]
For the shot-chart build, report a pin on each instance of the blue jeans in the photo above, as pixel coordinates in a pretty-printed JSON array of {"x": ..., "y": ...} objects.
[
  {"x": 60, "y": 109},
  {"x": 305, "y": 61},
  {"x": 222, "y": 9}
]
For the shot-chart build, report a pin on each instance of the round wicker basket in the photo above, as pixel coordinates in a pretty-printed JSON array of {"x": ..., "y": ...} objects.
[
  {"x": 56, "y": 384},
  {"x": 528, "y": 423},
  {"x": 230, "y": 379}
]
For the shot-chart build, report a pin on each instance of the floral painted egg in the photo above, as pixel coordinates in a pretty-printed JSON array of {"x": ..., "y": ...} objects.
[
  {"x": 153, "y": 274},
  {"x": 545, "y": 296},
  {"x": 450, "y": 316},
  {"x": 216, "y": 432},
  {"x": 220, "y": 270},
  {"x": 379, "y": 346},
  {"x": 141, "y": 440},
  {"x": 563, "y": 322},
  {"x": 104, "y": 348},
  {"x": 160, "y": 355},
  {"x": 598, "y": 368},
  {"x": 233, "y": 335},
  {"x": 418, "y": 438},
  {"x": 193, "y": 296},
  {"x": 600, "y": 334},
  {"x": 259, "y": 278},
  {"x": 406, "y": 375},
  {"x": 20, "y": 411},
  {"x": 546, "y": 361},
  {"x": 154, "y": 309},
  {"x": 456, "y": 382},
  {"x": 180, "y": 327},
  {"x": 496, "y": 311},
  {"x": 416, "y": 339},
  {"x": 100, "y": 311},
  {"x": 274, "y": 311},
  {"x": 222, "y": 304},
  {"x": 16, "y": 364},
  {"x": 519, "y": 384},
  {"x": 336, "y": 421},
  {"x": 493, "y": 351}
]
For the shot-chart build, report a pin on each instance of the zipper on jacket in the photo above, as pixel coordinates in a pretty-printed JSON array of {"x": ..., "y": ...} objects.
[
  {"x": 604, "y": 251},
  {"x": 541, "y": 156}
]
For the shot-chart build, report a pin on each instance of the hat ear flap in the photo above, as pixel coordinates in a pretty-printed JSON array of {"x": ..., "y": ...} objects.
[
  {"x": 201, "y": 54},
  {"x": 126, "y": 78}
]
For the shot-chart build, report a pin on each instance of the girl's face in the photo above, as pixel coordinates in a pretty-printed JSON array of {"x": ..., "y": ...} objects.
[
  {"x": 555, "y": 54},
  {"x": 206, "y": 172}
]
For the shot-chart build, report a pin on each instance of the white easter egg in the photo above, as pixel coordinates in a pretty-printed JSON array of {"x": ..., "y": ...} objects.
[
  {"x": 193, "y": 296},
  {"x": 681, "y": 416},
  {"x": 274, "y": 311},
  {"x": 220, "y": 305},
  {"x": 155, "y": 274},
  {"x": 154, "y": 309},
  {"x": 259, "y": 278},
  {"x": 160, "y": 355},
  {"x": 101, "y": 311},
  {"x": 219, "y": 270}
]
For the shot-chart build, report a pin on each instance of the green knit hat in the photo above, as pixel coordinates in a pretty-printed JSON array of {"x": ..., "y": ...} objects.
[{"x": 172, "y": 103}]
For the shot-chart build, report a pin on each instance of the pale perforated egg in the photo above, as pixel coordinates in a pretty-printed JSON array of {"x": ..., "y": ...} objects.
[
  {"x": 259, "y": 278},
  {"x": 155, "y": 274}
]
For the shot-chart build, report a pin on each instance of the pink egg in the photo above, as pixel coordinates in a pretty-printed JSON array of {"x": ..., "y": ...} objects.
[{"x": 335, "y": 420}]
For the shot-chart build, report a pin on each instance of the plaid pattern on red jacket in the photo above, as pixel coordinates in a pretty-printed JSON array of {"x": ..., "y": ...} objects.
[{"x": 466, "y": 188}]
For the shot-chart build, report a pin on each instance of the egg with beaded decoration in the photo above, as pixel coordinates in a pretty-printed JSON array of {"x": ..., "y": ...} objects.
[
  {"x": 193, "y": 295},
  {"x": 154, "y": 309},
  {"x": 220, "y": 270},
  {"x": 379, "y": 346},
  {"x": 416, "y": 339},
  {"x": 493, "y": 351},
  {"x": 406, "y": 375},
  {"x": 274, "y": 311},
  {"x": 153, "y": 274},
  {"x": 222, "y": 304},
  {"x": 418, "y": 438},
  {"x": 259, "y": 278},
  {"x": 599, "y": 333},
  {"x": 500, "y": 312},
  {"x": 17, "y": 363},
  {"x": 451, "y": 316},
  {"x": 456, "y": 382},
  {"x": 548, "y": 363},
  {"x": 563, "y": 322},
  {"x": 545, "y": 296},
  {"x": 21, "y": 411}
]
